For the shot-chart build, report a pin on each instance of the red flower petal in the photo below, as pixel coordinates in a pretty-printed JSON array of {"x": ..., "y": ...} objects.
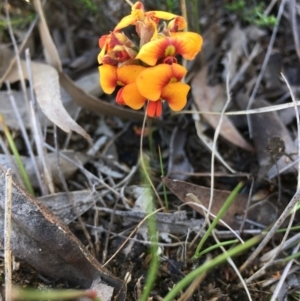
[
  {"x": 119, "y": 97},
  {"x": 154, "y": 108}
]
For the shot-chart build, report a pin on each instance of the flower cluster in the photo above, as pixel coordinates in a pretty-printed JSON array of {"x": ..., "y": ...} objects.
[{"x": 148, "y": 71}]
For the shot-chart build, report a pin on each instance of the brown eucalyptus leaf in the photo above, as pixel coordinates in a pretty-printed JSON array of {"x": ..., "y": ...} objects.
[
  {"x": 44, "y": 242},
  {"x": 265, "y": 212},
  {"x": 181, "y": 189},
  {"x": 50, "y": 50},
  {"x": 47, "y": 91},
  {"x": 205, "y": 97},
  {"x": 89, "y": 83}
]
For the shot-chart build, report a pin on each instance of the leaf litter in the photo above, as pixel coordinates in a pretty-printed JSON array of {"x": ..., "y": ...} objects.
[{"x": 93, "y": 188}]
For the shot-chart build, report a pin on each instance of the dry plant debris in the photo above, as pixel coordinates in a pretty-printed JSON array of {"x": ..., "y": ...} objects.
[{"x": 81, "y": 146}]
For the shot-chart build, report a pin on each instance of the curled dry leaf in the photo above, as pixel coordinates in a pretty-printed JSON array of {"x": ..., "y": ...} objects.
[
  {"x": 47, "y": 91},
  {"x": 205, "y": 97},
  {"x": 89, "y": 83},
  {"x": 44, "y": 242}
]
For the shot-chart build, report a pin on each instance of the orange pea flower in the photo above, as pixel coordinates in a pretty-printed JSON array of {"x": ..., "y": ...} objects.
[
  {"x": 112, "y": 76},
  {"x": 147, "y": 72},
  {"x": 177, "y": 24},
  {"x": 138, "y": 14},
  {"x": 116, "y": 47},
  {"x": 187, "y": 44},
  {"x": 162, "y": 82},
  {"x": 157, "y": 85}
]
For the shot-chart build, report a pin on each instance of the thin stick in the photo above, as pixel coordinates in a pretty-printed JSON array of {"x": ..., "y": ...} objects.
[
  {"x": 245, "y": 112},
  {"x": 143, "y": 165},
  {"x": 184, "y": 14},
  {"x": 129, "y": 2},
  {"x": 287, "y": 212},
  {"x": 293, "y": 19},
  {"x": 216, "y": 135},
  {"x": 271, "y": 233},
  {"x": 26, "y": 139},
  {"x": 131, "y": 234},
  {"x": 7, "y": 232},
  {"x": 264, "y": 65},
  {"x": 36, "y": 129},
  {"x": 13, "y": 61},
  {"x": 289, "y": 265},
  {"x": 284, "y": 276}
]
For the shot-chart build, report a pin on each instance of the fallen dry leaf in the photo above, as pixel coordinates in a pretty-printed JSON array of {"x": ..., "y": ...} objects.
[
  {"x": 44, "y": 242},
  {"x": 264, "y": 212},
  {"x": 89, "y": 83},
  {"x": 47, "y": 91},
  {"x": 181, "y": 189},
  {"x": 204, "y": 97}
]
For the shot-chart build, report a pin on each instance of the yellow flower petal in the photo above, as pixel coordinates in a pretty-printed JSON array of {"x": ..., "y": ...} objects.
[
  {"x": 178, "y": 72},
  {"x": 151, "y": 81},
  {"x": 161, "y": 15},
  {"x": 176, "y": 95},
  {"x": 177, "y": 24},
  {"x": 101, "y": 54},
  {"x": 153, "y": 50},
  {"x": 187, "y": 44},
  {"x": 137, "y": 14},
  {"x": 132, "y": 97},
  {"x": 126, "y": 21},
  {"x": 127, "y": 74},
  {"x": 108, "y": 78}
]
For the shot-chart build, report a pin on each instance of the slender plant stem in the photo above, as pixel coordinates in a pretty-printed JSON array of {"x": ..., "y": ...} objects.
[
  {"x": 209, "y": 265},
  {"x": 224, "y": 208},
  {"x": 16, "y": 154}
]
